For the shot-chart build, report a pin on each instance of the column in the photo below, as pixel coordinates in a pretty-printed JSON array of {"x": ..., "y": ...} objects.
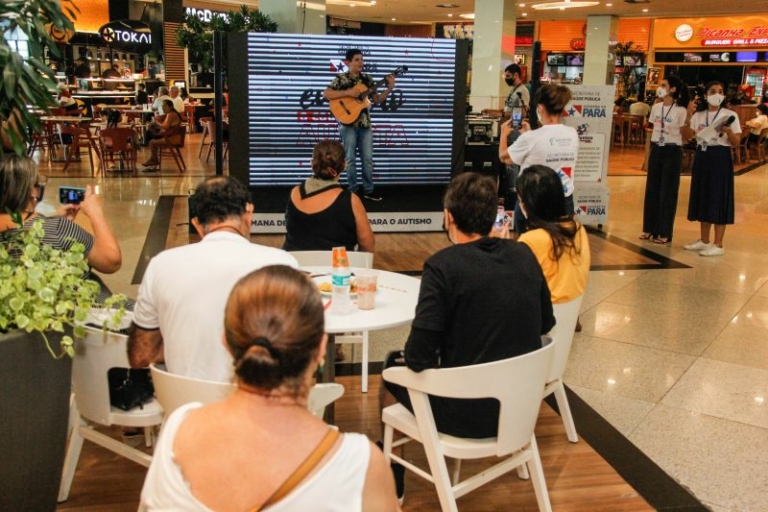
[
  {"x": 491, "y": 52},
  {"x": 306, "y": 18},
  {"x": 599, "y": 58}
]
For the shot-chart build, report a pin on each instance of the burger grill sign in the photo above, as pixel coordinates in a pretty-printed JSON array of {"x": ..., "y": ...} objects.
[{"x": 127, "y": 35}]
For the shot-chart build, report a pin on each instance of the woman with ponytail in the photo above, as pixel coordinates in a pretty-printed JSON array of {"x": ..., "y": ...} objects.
[
  {"x": 321, "y": 214},
  {"x": 238, "y": 453},
  {"x": 670, "y": 119}
]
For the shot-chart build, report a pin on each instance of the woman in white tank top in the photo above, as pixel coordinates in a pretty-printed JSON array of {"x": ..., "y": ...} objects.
[{"x": 236, "y": 454}]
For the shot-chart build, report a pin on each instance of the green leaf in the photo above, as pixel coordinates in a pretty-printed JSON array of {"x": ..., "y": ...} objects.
[{"x": 21, "y": 321}]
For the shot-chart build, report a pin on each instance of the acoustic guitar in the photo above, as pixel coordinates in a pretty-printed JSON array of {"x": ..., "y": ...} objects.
[{"x": 347, "y": 109}]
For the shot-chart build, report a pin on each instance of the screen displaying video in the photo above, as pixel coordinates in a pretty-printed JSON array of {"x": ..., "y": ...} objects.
[{"x": 285, "y": 115}]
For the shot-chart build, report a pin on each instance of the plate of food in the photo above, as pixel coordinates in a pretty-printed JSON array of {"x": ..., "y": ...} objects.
[{"x": 326, "y": 288}]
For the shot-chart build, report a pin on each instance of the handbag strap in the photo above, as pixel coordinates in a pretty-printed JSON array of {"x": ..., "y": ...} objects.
[{"x": 303, "y": 470}]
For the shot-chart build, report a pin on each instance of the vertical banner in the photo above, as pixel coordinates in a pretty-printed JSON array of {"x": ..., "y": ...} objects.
[{"x": 590, "y": 112}]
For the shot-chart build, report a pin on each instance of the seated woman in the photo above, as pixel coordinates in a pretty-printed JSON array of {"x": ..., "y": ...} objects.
[
  {"x": 757, "y": 124},
  {"x": 235, "y": 454},
  {"x": 320, "y": 214},
  {"x": 21, "y": 190},
  {"x": 163, "y": 132},
  {"x": 558, "y": 242}
]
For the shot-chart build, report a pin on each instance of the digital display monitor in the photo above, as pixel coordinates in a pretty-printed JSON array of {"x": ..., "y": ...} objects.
[
  {"x": 556, "y": 59},
  {"x": 281, "y": 78},
  {"x": 746, "y": 56},
  {"x": 575, "y": 59},
  {"x": 632, "y": 61},
  {"x": 692, "y": 57}
]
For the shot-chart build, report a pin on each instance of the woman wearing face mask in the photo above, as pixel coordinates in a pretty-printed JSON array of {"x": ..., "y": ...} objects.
[
  {"x": 711, "y": 199},
  {"x": 553, "y": 144},
  {"x": 670, "y": 119}
]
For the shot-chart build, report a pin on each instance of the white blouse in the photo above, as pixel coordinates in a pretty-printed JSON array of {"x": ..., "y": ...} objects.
[
  {"x": 701, "y": 121},
  {"x": 667, "y": 121}
]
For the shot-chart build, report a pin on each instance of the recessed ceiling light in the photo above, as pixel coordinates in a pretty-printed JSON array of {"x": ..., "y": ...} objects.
[
  {"x": 394, "y": 19},
  {"x": 564, "y": 4},
  {"x": 609, "y": 5},
  {"x": 645, "y": 10},
  {"x": 373, "y": 2},
  {"x": 468, "y": 16},
  {"x": 525, "y": 14},
  {"x": 450, "y": 15},
  {"x": 447, "y": 6},
  {"x": 521, "y": 5}
]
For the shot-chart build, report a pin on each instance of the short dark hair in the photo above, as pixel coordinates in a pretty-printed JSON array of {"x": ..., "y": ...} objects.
[
  {"x": 553, "y": 98},
  {"x": 169, "y": 104},
  {"x": 763, "y": 108},
  {"x": 351, "y": 54},
  {"x": 471, "y": 199},
  {"x": 217, "y": 199},
  {"x": 513, "y": 68}
]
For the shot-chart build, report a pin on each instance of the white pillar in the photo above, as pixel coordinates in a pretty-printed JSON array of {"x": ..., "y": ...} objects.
[
  {"x": 493, "y": 23},
  {"x": 599, "y": 58},
  {"x": 296, "y": 17}
]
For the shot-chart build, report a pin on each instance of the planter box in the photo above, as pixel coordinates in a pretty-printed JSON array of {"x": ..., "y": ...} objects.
[{"x": 34, "y": 412}]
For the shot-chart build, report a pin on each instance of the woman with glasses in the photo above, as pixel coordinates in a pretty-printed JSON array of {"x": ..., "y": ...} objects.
[{"x": 22, "y": 188}]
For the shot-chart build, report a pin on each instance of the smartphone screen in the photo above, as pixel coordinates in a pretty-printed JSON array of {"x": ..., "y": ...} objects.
[
  {"x": 501, "y": 214},
  {"x": 517, "y": 117},
  {"x": 71, "y": 195}
]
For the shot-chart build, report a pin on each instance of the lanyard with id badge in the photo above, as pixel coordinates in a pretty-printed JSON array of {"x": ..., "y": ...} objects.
[
  {"x": 703, "y": 143},
  {"x": 663, "y": 118}
]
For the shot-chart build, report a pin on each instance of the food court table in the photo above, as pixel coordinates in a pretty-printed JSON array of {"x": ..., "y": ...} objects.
[{"x": 396, "y": 298}]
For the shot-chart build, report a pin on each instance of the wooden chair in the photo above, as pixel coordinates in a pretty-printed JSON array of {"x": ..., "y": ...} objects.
[
  {"x": 118, "y": 147},
  {"x": 81, "y": 138},
  {"x": 204, "y": 124},
  {"x": 759, "y": 146},
  {"x": 169, "y": 148},
  {"x": 517, "y": 383},
  {"x": 189, "y": 113},
  {"x": 211, "y": 130}
]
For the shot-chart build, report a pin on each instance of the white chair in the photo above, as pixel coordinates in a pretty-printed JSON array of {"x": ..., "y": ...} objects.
[
  {"x": 566, "y": 314},
  {"x": 356, "y": 259},
  {"x": 173, "y": 391},
  {"x": 95, "y": 354},
  {"x": 517, "y": 383}
]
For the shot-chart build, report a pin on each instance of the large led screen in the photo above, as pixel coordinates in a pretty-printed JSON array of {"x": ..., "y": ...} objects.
[{"x": 285, "y": 115}]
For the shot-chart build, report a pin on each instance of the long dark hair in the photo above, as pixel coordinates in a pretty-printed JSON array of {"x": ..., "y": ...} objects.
[
  {"x": 541, "y": 193},
  {"x": 703, "y": 104},
  {"x": 681, "y": 95}
]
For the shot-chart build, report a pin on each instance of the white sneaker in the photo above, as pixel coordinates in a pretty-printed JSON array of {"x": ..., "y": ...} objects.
[
  {"x": 698, "y": 245},
  {"x": 712, "y": 251}
]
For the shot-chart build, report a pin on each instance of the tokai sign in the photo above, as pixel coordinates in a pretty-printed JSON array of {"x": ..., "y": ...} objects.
[{"x": 127, "y": 35}]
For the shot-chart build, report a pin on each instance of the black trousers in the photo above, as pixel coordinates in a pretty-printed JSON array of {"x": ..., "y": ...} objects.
[{"x": 661, "y": 189}]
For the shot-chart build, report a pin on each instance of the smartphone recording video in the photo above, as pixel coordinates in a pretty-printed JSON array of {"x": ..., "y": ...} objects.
[
  {"x": 501, "y": 216},
  {"x": 71, "y": 195},
  {"x": 517, "y": 117}
]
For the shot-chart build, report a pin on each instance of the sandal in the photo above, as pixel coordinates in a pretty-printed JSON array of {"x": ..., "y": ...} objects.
[
  {"x": 662, "y": 241},
  {"x": 645, "y": 236}
]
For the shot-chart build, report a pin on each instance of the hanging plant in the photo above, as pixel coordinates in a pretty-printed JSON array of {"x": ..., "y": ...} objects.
[{"x": 196, "y": 35}]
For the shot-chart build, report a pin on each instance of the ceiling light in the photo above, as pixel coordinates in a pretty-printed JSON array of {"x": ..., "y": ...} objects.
[
  {"x": 563, "y": 5},
  {"x": 609, "y": 5},
  {"x": 447, "y": 6},
  {"x": 394, "y": 19},
  {"x": 468, "y": 16},
  {"x": 645, "y": 10},
  {"x": 373, "y": 2},
  {"x": 525, "y": 14},
  {"x": 521, "y": 5},
  {"x": 450, "y": 15}
]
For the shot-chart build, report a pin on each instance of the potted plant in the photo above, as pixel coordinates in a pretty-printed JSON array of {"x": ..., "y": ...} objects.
[
  {"x": 45, "y": 297},
  {"x": 627, "y": 75}
]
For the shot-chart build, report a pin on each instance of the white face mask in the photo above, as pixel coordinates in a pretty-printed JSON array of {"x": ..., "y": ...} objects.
[
  {"x": 661, "y": 92},
  {"x": 715, "y": 99}
]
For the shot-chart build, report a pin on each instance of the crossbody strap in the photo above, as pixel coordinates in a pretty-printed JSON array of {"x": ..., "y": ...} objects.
[{"x": 303, "y": 470}]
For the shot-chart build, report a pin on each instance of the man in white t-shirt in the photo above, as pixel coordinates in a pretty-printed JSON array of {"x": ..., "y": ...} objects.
[
  {"x": 179, "y": 313},
  {"x": 178, "y": 102},
  {"x": 162, "y": 95}
]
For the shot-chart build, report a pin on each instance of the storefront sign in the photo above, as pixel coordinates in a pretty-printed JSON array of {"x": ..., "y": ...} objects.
[
  {"x": 127, "y": 35},
  {"x": 578, "y": 43},
  {"x": 59, "y": 35},
  {"x": 746, "y": 31},
  {"x": 204, "y": 14},
  {"x": 391, "y": 222}
]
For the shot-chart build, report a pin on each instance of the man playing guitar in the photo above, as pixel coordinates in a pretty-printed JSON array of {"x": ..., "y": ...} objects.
[{"x": 357, "y": 136}]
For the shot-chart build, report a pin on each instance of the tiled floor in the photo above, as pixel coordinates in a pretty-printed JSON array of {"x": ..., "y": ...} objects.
[{"x": 677, "y": 359}]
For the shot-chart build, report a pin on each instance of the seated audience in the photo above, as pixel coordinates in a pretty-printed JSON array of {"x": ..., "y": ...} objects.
[
  {"x": 757, "y": 124},
  {"x": 67, "y": 102},
  {"x": 163, "y": 131},
  {"x": 22, "y": 188},
  {"x": 481, "y": 300},
  {"x": 237, "y": 454},
  {"x": 180, "y": 308},
  {"x": 558, "y": 242},
  {"x": 322, "y": 215},
  {"x": 162, "y": 95}
]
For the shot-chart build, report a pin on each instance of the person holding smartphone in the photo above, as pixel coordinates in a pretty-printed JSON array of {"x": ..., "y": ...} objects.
[
  {"x": 553, "y": 144},
  {"x": 21, "y": 190}
]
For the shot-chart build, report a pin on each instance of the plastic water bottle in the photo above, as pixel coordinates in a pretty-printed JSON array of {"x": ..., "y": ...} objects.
[{"x": 340, "y": 283}]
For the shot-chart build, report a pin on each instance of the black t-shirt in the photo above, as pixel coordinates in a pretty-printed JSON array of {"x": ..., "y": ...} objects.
[{"x": 479, "y": 302}]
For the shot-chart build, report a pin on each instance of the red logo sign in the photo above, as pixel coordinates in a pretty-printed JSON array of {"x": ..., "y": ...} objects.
[{"x": 578, "y": 43}]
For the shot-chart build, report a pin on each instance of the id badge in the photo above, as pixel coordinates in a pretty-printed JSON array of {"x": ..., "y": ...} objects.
[
  {"x": 661, "y": 141},
  {"x": 703, "y": 145}
]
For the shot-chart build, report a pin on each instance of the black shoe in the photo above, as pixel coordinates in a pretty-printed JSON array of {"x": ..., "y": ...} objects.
[
  {"x": 398, "y": 471},
  {"x": 372, "y": 196}
]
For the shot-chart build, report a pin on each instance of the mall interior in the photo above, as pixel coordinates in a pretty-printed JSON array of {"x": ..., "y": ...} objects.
[{"x": 668, "y": 377}]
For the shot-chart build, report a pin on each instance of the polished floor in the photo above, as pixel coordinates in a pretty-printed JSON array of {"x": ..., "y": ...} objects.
[{"x": 674, "y": 356}]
